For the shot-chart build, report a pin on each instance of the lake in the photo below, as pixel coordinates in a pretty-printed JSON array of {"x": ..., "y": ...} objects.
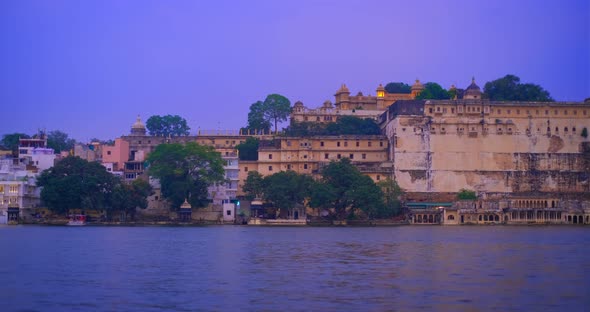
[{"x": 213, "y": 268}]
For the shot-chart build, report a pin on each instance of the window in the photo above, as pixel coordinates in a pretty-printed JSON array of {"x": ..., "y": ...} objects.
[
  {"x": 338, "y": 144},
  {"x": 345, "y": 143},
  {"x": 326, "y": 155},
  {"x": 305, "y": 156},
  {"x": 378, "y": 177},
  {"x": 108, "y": 152},
  {"x": 305, "y": 166},
  {"x": 499, "y": 111},
  {"x": 138, "y": 142},
  {"x": 351, "y": 156},
  {"x": 518, "y": 111},
  {"x": 288, "y": 167},
  {"x": 574, "y": 129},
  {"x": 226, "y": 142},
  {"x": 430, "y": 110},
  {"x": 13, "y": 189},
  {"x": 452, "y": 110},
  {"x": 364, "y": 156},
  {"x": 245, "y": 169},
  {"x": 381, "y": 143},
  {"x": 369, "y": 143},
  {"x": 321, "y": 143},
  {"x": 358, "y": 143},
  {"x": 269, "y": 168},
  {"x": 508, "y": 112},
  {"x": 228, "y": 212},
  {"x": 556, "y": 129},
  {"x": 269, "y": 156},
  {"x": 156, "y": 197},
  {"x": 339, "y": 156}
]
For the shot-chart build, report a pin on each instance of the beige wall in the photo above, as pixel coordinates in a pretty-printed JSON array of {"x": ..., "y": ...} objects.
[{"x": 117, "y": 154}]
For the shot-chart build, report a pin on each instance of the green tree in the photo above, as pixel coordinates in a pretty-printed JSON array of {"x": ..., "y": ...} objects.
[
  {"x": 509, "y": 88},
  {"x": 391, "y": 192},
  {"x": 168, "y": 125},
  {"x": 10, "y": 141},
  {"x": 276, "y": 109},
  {"x": 248, "y": 150},
  {"x": 256, "y": 118},
  {"x": 253, "y": 185},
  {"x": 128, "y": 197},
  {"x": 465, "y": 194},
  {"x": 398, "y": 87},
  {"x": 433, "y": 91},
  {"x": 60, "y": 141},
  {"x": 287, "y": 189},
  {"x": 185, "y": 171},
  {"x": 345, "y": 189},
  {"x": 353, "y": 125},
  {"x": 74, "y": 183}
]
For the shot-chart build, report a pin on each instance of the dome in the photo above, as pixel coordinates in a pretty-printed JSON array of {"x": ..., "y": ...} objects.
[
  {"x": 327, "y": 104},
  {"x": 473, "y": 91},
  {"x": 417, "y": 86},
  {"x": 185, "y": 205},
  {"x": 380, "y": 88},
  {"x": 138, "y": 124},
  {"x": 343, "y": 89},
  {"x": 298, "y": 104}
]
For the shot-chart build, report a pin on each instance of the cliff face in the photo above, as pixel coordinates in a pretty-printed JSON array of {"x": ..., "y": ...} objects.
[{"x": 505, "y": 154}]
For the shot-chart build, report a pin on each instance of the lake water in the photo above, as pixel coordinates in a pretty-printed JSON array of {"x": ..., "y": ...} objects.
[{"x": 406, "y": 268}]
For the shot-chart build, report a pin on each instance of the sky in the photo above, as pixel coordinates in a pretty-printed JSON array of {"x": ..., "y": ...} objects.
[{"x": 88, "y": 68}]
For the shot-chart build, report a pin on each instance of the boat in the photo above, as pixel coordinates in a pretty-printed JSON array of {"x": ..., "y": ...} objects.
[{"x": 77, "y": 220}]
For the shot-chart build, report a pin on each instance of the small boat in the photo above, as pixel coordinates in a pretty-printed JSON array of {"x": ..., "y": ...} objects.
[{"x": 77, "y": 220}]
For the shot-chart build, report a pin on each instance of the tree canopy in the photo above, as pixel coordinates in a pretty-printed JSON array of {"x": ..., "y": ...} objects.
[
  {"x": 345, "y": 125},
  {"x": 509, "y": 88},
  {"x": 345, "y": 189},
  {"x": 277, "y": 108},
  {"x": 168, "y": 125},
  {"x": 249, "y": 149},
  {"x": 10, "y": 141},
  {"x": 185, "y": 171},
  {"x": 433, "y": 91},
  {"x": 253, "y": 185},
  {"x": 287, "y": 189},
  {"x": 128, "y": 197},
  {"x": 256, "y": 119},
  {"x": 60, "y": 141},
  {"x": 398, "y": 87},
  {"x": 74, "y": 183}
]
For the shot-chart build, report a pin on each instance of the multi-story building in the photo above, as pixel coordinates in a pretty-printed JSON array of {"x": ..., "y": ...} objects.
[{"x": 357, "y": 105}]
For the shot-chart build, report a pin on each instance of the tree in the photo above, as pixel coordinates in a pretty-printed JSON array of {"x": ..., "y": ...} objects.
[
  {"x": 276, "y": 109},
  {"x": 584, "y": 133},
  {"x": 60, "y": 141},
  {"x": 398, "y": 87},
  {"x": 169, "y": 125},
  {"x": 256, "y": 119},
  {"x": 249, "y": 149},
  {"x": 74, "y": 183},
  {"x": 391, "y": 192},
  {"x": 185, "y": 171},
  {"x": 128, "y": 197},
  {"x": 254, "y": 185},
  {"x": 433, "y": 91},
  {"x": 465, "y": 194},
  {"x": 345, "y": 189},
  {"x": 509, "y": 88},
  {"x": 287, "y": 189},
  {"x": 353, "y": 125},
  {"x": 10, "y": 141}
]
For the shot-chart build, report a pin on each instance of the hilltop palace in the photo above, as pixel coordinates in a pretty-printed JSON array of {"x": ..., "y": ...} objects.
[{"x": 528, "y": 162}]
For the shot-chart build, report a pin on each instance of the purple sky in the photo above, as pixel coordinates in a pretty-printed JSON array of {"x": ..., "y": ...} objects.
[{"x": 89, "y": 67}]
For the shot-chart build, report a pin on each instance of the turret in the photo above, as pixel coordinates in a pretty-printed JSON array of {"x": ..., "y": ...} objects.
[
  {"x": 342, "y": 97},
  {"x": 417, "y": 87},
  {"x": 380, "y": 97}
]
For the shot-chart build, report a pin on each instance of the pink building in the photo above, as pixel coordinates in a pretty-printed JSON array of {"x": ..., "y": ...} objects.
[{"x": 116, "y": 154}]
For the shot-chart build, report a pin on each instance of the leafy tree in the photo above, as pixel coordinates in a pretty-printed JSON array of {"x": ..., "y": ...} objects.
[
  {"x": 391, "y": 191},
  {"x": 584, "y": 133},
  {"x": 509, "y": 88},
  {"x": 346, "y": 190},
  {"x": 10, "y": 141},
  {"x": 465, "y": 194},
  {"x": 74, "y": 183},
  {"x": 276, "y": 109},
  {"x": 433, "y": 91},
  {"x": 185, "y": 171},
  {"x": 287, "y": 189},
  {"x": 398, "y": 87},
  {"x": 249, "y": 149},
  {"x": 256, "y": 118},
  {"x": 254, "y": 185},
  {"x": 353, "y": 125},
  {"x": 60, "y": 141},
  {"x": 128, "y": 197},
  {"x": 169, "y": 125}
]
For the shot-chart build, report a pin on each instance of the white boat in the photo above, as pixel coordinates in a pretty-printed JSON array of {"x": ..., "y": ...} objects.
[{"x": 77, "y": 220}]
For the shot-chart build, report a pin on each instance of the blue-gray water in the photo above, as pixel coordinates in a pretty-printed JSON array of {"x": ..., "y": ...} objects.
[{"x": 464, "y": 268}]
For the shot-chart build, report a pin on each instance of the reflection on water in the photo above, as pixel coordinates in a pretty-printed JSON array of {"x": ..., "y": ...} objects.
[{"x": 260, "y": 268}]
